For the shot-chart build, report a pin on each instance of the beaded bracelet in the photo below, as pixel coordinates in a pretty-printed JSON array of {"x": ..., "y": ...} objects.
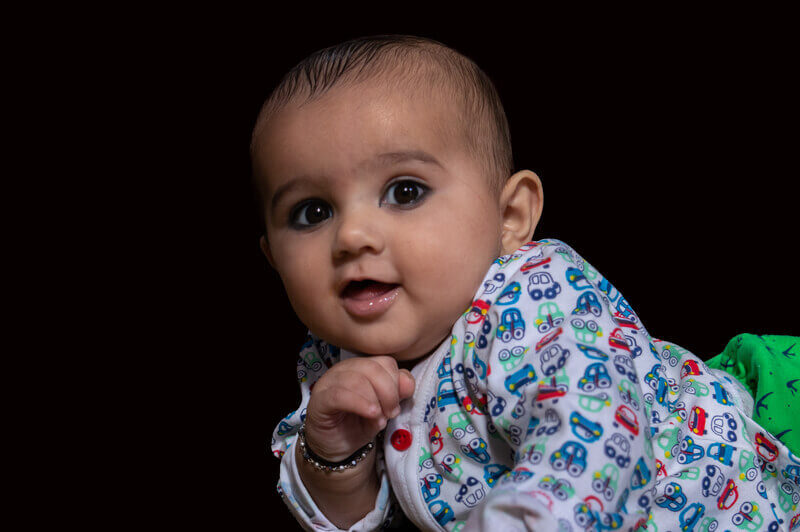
[{"x": 323, "y": 465}]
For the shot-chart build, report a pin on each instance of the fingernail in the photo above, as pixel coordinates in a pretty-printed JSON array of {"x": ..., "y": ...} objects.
[
  {"x": 396, "y": 411},
  {"x": 382, "y": 422}
]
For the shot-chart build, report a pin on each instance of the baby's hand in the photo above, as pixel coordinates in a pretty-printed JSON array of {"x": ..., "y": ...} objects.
[{"x": 352, "y": 402}]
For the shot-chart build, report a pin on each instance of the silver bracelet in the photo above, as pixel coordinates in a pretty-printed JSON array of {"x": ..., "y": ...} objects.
[{"x": 323, "y": 465}]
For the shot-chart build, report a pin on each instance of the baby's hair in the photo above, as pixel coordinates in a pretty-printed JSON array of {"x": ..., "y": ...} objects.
[{"x": 417, "y": 62}]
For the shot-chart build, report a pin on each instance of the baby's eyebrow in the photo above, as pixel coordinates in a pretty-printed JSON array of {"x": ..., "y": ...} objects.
[{"x": 403, "y": 156}]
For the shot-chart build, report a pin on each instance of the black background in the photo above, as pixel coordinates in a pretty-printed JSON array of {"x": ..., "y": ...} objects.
[{"x": 665, "y": 143}]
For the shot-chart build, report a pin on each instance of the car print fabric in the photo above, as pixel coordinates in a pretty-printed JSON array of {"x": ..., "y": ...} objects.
[{"x": 550, "y": 407}]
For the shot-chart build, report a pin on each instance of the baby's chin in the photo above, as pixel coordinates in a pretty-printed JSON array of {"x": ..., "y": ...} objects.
[{"x": 406, "y": 355}]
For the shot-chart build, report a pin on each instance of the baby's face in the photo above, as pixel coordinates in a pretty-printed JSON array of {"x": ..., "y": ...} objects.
[{"x": 379, "y": 221}]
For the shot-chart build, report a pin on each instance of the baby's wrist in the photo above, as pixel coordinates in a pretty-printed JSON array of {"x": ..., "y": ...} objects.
[{"x": 335, "y": 464}]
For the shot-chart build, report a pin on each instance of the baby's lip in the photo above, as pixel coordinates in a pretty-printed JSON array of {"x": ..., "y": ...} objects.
[{"x": 366, "y": 289}]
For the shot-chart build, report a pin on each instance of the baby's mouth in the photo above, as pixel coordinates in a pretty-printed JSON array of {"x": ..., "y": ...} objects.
[{"x": 366, "y": 289}]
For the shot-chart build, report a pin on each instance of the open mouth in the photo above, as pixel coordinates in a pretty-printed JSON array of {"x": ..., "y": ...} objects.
[
  {"x": 368, "y": 298},
  {"x": 366, "y": 289}
]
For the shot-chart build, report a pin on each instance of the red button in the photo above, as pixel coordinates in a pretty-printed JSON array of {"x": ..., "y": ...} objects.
[{"x": 401, "y": 439}]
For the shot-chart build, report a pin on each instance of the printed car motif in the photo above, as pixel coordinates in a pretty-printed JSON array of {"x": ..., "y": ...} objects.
[
  {"x": 451, "y": 465},
  {"x": 689, "y": 451},
  {"x": 586, "y": 331},
  {"x": 570, "y": 456},
  {"x": 471, "y": 493},
  {"x": 626, "y": 417},
  {"x": 430, "y": 486},
  {"x": 561, "y": 487},
  {"x": 553, "y": 359},
  {"x": 511, "y": 326},
  {"x": 618, "y": 448},
  {"x": 748, "y": 517},
  {"x": 521, "y": 378},
  {"x": 585, "y": 429},
  {"x": 459, "y": 425},
  {"x": 548, "y": 318},
  {"x": 592, "y": 352},
  {"x": 725, "y": 426},
  {"x": 596, "y": 376},
  {"x": 624, "y": 366},
  {"x": 697, "y": 421},
  {"x": 673, "y": 498},
  {"x": 478, "y": 311},
  {"x": 690, "y": 516},
  {"x": 604, "y": 481},
  {"x": 476, "y": 450},
  {"x": 511, "y": 358},
  {"x": 541, "y": 284},
  {"x": 492, "y": 472},
  {"x": 509, "y": 295},
  {"x": 587, "y": 303}
]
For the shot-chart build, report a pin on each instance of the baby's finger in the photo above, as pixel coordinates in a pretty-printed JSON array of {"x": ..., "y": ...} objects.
[
  {"x": 405, "y": 384},
  {"x": 361, "y": 401},
  {"x": 383, "y": 374}
]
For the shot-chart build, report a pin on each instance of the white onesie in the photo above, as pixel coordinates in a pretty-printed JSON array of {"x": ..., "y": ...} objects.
[{"x": 550, "y": 407}]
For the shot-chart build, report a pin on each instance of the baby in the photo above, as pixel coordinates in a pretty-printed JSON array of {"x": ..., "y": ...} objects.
[{"x": 477, "y": 378}]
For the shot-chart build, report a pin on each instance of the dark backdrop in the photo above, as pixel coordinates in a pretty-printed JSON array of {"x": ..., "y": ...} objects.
[{"x": 665, "y": 152}]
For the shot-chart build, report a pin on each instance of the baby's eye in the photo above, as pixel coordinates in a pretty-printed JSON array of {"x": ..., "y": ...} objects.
[
  {"x": 405, "y": 192},
  {"x": 309, "y": 213}
]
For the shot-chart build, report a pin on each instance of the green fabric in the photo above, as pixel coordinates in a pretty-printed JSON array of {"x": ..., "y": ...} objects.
[{"x": 768, "y": 366}]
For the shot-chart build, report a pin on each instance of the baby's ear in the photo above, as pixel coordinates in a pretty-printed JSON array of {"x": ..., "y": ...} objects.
[
  {"x": 521, "y": 200},
  {"x": 265, "y": 249}
]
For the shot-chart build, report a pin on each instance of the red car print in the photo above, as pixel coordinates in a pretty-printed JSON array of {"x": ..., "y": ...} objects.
[
  {"x": 546, "y": 339},
  {"x": 697, "y": 420},
  {"x": 729, "y": 496},
  {"x": 435, "y": 437},
  {"x": 627, "y": 418},
  {"x": 533, "y": 262},
  {"x": 478, "y": 311},
  {"x": 765, "y": 448},
  {"x": 690, "y": 367},
  {"x": 551, "y": 390},
  {"x": 624, "y": 321},
  {"x": 617, "y": 340}
]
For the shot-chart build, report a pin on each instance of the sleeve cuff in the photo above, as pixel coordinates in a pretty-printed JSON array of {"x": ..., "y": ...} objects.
[{"x": 294, "y": 494}]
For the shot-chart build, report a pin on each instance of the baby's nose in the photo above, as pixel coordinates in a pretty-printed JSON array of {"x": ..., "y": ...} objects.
[{"x": 358, "y": 232}]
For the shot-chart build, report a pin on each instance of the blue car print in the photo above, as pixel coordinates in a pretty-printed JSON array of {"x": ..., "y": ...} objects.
[
  {"x": 476, "y": 450},
  {"x": 720, "y": 394},
  {"x": 492, "y": 472},
  {"x": 441, "y": 512},
  {"x": 689, "y": 451},
  {"x": 690, "y": 516},
  {"x": 673, "y": 498},
  {"x": 641, "y": 475},
  {"x": 721, "y": 452},
  {"x": 592, "y": 352},
  {"x": 509, "y": 295},
  {"x": 517, "y": 380},
  {"x": 585, "y": 429},
  {"x": 511, "y": 326},
  {"x": 577, "y": 280},
  {"x": 596, "y": 376},
  {"x": 570, "y": 456},
  {"x": 446, "y": 394},
  {"x": 429, "y": 485},
  {"x": 587, "y": 304}
]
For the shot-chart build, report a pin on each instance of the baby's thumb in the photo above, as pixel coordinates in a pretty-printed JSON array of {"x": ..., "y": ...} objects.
[{"x": 405, "y": 384}]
